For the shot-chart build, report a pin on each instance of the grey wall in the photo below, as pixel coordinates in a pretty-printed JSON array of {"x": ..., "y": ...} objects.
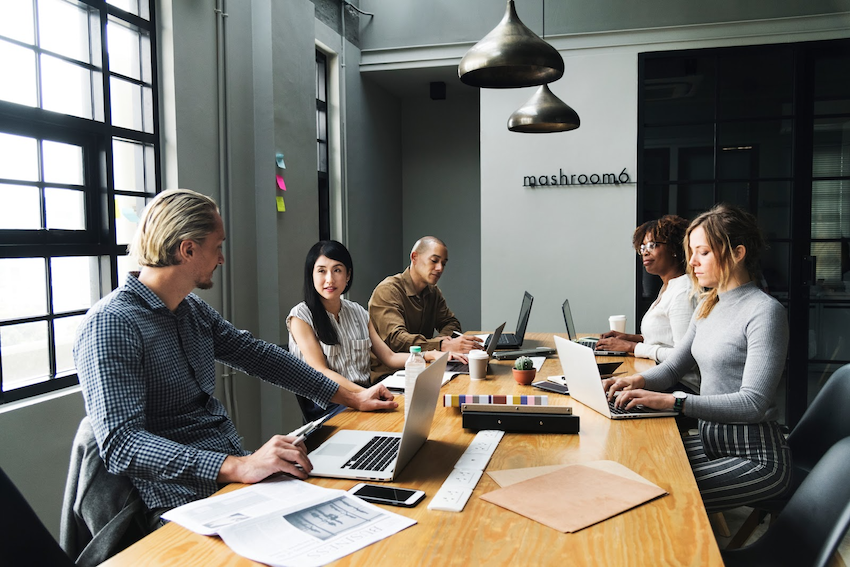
[
  {"x": 373, "y": 175},
  {"x": 404, "y": 23},
  {"x": 442, "y": 192}
]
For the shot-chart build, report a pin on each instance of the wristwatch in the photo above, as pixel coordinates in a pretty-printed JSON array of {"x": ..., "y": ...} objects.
[{"x": 679, "y": 401}]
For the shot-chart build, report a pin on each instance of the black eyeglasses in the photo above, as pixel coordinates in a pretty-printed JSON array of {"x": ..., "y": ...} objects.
[{"x": 648, "y": 247}]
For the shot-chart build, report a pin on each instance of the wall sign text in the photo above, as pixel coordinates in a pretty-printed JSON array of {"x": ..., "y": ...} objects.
[{"x": 563, "y": 179}]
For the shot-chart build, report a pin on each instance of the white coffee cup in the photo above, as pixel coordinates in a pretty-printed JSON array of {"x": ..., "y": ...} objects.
[
  {"x": 478, "y": 360},
  {"x": 617, "y": 323}
]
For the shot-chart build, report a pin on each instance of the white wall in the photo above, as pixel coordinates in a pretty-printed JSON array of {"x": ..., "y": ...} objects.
[{"x": 568, "y": 241}]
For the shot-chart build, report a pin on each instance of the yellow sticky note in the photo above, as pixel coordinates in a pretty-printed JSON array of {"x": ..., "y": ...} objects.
[{"x": 281, "y": 206}]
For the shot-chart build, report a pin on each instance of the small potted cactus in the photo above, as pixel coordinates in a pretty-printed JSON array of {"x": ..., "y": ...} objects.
[{"x": 524, "y": 371}]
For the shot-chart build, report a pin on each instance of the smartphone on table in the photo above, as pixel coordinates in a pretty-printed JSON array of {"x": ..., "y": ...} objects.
[{"x": 394, "y": 496}]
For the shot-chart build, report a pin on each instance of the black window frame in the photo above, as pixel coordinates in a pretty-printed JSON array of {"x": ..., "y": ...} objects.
[{"x": 96, "y": 136}]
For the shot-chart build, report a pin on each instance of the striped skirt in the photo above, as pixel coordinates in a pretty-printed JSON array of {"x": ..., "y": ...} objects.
[{"x": 738, "y": 464}]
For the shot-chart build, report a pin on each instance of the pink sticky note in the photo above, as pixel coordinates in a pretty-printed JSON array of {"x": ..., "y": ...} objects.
[{"x": 280, "y": 182}]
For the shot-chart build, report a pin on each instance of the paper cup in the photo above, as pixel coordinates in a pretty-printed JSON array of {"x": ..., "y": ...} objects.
[
  {"x": 617, "y": 323},
  {"x": 478, "y": 364}
]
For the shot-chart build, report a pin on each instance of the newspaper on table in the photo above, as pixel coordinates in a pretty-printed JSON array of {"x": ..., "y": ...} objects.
[{"x": 288, "y": 522}]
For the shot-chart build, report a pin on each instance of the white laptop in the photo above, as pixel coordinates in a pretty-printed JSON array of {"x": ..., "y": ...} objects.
[
  {"x": 585, "y": 384},
  {"x": 378, "y": 455}
]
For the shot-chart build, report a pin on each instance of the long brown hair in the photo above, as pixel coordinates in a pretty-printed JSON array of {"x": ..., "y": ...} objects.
[{"x": 726, "y": 227}]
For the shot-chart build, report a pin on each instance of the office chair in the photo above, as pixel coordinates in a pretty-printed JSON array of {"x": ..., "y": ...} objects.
[
  {"x": 24, "y": 539},
  {"x": 825, "y": 422},
  {"x": 813, "y": 523}
]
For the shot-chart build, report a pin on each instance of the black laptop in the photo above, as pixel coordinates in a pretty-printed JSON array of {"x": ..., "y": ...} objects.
[
  {"x": 511, "y": 340},
  {"x": 589, "y": 342}
]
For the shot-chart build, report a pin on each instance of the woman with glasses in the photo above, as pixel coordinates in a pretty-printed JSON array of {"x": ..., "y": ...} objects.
[
  {"x": 659, "y": 244},
  {"x": 739, "y": 338}
]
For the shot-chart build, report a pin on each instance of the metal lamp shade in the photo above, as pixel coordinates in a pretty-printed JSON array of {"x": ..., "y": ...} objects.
[
  {"x": 544, "y": 112},
  {"x": 510, "y": 56}
]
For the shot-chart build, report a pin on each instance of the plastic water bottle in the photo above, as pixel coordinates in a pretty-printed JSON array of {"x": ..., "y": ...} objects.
[{"x": 412, "y": 369}]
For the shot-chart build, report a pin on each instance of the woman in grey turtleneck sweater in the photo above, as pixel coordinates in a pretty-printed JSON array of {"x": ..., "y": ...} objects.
[{"x": 738, "y": 338}]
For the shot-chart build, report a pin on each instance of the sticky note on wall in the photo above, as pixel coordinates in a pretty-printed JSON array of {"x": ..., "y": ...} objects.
[{"x": 281, "y": 206}]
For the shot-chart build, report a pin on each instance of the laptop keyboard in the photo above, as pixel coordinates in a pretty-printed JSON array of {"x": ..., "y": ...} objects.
[
  {"x": 586, "y": 343},
  {"x": 506, "y": 339},
  {"x": 631, "y": 411},
  {"x": 376, "y": 455}
]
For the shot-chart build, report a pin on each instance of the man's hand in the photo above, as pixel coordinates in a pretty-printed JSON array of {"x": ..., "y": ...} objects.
[
  {"x": 279, "y": 454},
  {"x": 461, "y": 343},
  {"x": 375, "y": 398}
]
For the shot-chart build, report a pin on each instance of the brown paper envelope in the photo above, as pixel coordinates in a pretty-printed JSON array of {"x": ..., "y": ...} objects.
[
  {"x": 574, "y": 497},
  {"x": 511, "y": 476}
]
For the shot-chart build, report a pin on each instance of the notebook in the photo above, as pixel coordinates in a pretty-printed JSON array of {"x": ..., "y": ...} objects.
[
  {"x": 462, "y": 368},
  {"x": 587, "y": 341},
  {"x": 378, "y": 455},
  {"x": 585, "y": 383},
  {"x": 511, "y": 340}
]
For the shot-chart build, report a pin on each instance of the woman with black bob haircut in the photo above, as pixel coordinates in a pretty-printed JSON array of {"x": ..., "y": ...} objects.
[
  {"x": 332, "y": 334},
  {"x": 739, "y": 338}
]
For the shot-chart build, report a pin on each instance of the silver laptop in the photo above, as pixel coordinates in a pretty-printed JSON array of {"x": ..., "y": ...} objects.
[
  {"x": 585, "y": 383},
  {"x": 376, "y": 455},
  {"x": 461, "y": 368},
  {"x": 514, "y": 340},
  {"x": 589, "y": 342}
]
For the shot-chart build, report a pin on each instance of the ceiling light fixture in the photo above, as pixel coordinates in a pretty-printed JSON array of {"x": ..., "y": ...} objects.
[
  {"x": 544, "y": 113},
  {"x": 510, "y": 56}
]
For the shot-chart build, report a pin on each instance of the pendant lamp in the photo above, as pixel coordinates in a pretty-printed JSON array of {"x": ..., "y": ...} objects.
[
  {"x": 544, "y": 112},
  {"x": 510, "y": 56}
]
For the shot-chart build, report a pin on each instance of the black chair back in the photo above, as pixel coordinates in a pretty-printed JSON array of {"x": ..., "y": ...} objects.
[
  {"x": 825, "y": 422},
  {"x": 23, "y": 538},
  {"x": 815, "y": 520}
]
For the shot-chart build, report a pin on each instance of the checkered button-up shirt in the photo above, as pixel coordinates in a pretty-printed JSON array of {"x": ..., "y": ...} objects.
[{"x": 148, "y": 378}]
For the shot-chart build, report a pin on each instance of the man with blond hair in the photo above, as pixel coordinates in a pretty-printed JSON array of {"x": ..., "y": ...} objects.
[
  {"x": 408, "y": 308},
  {"x": 146, "y": 354}
]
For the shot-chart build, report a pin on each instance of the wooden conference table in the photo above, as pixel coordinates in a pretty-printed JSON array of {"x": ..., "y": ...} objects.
[{"x": 671, "y": 530}]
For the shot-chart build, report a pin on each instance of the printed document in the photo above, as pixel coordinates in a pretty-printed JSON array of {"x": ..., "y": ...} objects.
[{"x": 288, "y": 522}]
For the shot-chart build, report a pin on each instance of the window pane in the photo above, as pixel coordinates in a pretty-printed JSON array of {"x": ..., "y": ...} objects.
[
  {"x": 20, "y": 158},
  {"x": 17, "y": 67},
  {"x": 124, "y": 46},
  {"x": 64, "y": 29},
  {"x": 137, "y": 7},
  {"x": 23, "y": 289},
  {"x": 20, "y": 208},
  {"x": 127, "y": 213},
  {"x": 831, "y": 151},
  {"x": 126, "y": 264},
  {"x": 66, "y": 88},
  {"x": 150, "y": 169},
  {"x": 64, "y": 332},
  {"x": 828, "y": 264},
  {"x": 761, "y": 148},
  {"x": 775, "y": 263},
  {"x": 63, "y": 163},
  {"x": 126, "y": 104},
  {"x": 831, "y": 209},
  {"x": 65, "y": 209},
  {"x": 832, "y": 83},
  {"x": 678, "y": 89},
  {"x": 25, "y": 356},
  {"x": 756, "y": 83},
  {"x": 128, "y": 165},
  {"x": 75, "y": 283},
  {"x": 16, "y": 22}
]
